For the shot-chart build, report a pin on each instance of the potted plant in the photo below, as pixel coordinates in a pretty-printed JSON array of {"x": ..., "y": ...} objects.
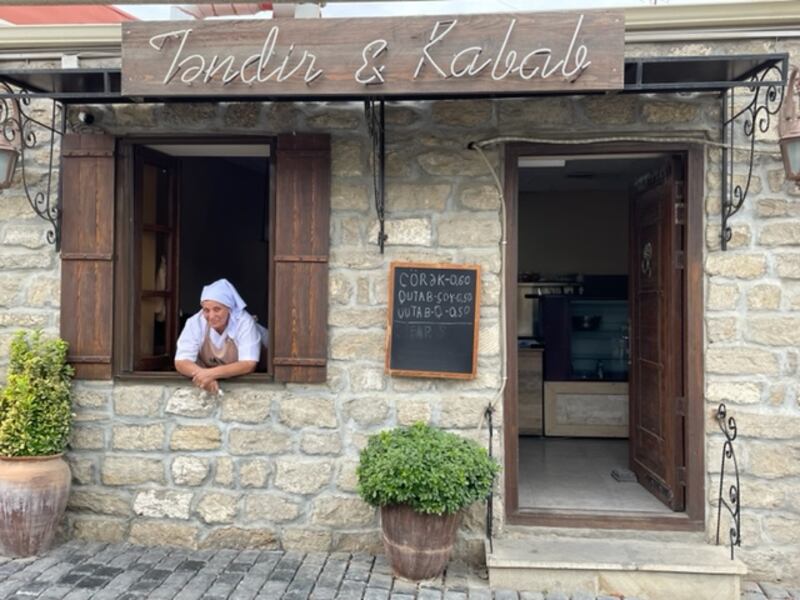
[
  {"x": 422, "y": 478},
  {"x": 35, "y": 420}
]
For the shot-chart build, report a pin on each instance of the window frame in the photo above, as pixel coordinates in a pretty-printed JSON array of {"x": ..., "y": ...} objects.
[{"x": 125, "y": 244}]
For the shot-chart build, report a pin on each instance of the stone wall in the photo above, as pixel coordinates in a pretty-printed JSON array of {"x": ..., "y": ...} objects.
[{"x": 272, "y": 465}]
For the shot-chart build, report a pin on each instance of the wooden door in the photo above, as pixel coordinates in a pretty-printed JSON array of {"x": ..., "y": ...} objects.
[
  {"x": 657, "y": 315},
  {"x": 156, "y": 259}
]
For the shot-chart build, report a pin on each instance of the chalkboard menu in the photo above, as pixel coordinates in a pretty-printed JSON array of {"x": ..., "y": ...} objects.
[{"x": 433, "y": 320}]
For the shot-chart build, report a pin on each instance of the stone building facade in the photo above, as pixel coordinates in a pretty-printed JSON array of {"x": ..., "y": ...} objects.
[{"x": 273, "y": 465}]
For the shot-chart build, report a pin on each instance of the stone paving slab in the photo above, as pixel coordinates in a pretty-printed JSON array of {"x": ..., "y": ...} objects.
[{"x": 93, "y": 571}]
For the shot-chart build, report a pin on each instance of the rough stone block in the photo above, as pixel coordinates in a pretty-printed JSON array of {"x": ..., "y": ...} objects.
[
  {"x": 739, "y": 266},
  {"x": 189, "y": 470},
  {"x": 721, "y": 329},
  {"x": 669, "y": 113},
  {"x": 298, "y": 412},
  {"x": 137, "y": 401},
  {"x": 774, "y": 331},
  {"x": 258, "y": 441},
  {"x": 217, "y": 507},
  {"x": 367, "y": 379},
  {"x": 163, "y": 533},
  {"x": 321, "y": 443},
  {"x": 346, "y": 478},
  {"x": 300, "y": 476},
  {"x": 191, "y": 402},
  {"x": 424, "y": 199},
  {"x": 347, "y": 159},
  {"x": 780, "y": 234},
  {"x": 341, "y": 512},
  {"x": 736, "y": 392},
  {"x": 774, "y": 460},
  {"x": 452, "y": 163},
  {"x": 270, "y": 507},
  {"x": 306, "y": 540},
  {"x": 241, "y": 538},
  {"x": 100, "y": 501},
  {"x": 741, "y": 361},
  {"x": 246, "y": 406},
  {"x": 98, "y": 529},
  {"x": 253, "y": 473},
  {"x": 611, "y": 110},
  {"x": 410, "y": 411},
  {"x": 138, "y": 437},
  {"x": 340, "y": 289},
  {"x": 461, "y": 411},
  {"x": 473, "y": 231},
  {"x": 404, "y": 232},
  {"x": 223, "y": 474},
  {"x": 44, "y": 291},
  {"x": 196, "y": 437},
  {"x": 788, "y": 266},
  {"x": 357, "y": 346},
  {"x": 349, "y": 196},
  {"x": 169, "y": 504},
  {"x": 462, "y": 113},
  {"x": 723, "y": 296},
  {"x": 86, "y": 397},
  {"x": 367, "y": 411},
  {"x": 87, "y": 437},
  {"x": 131, "y": 470},
  {"x": 764, "y": 297},
  {"x": 480, "y": 197}
]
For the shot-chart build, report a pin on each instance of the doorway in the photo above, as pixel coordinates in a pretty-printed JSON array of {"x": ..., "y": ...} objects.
[{"x": 599, "y": 428}]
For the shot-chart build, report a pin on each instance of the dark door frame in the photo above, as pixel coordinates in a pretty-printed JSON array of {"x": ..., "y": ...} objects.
[{"x": 693, "y": 518}]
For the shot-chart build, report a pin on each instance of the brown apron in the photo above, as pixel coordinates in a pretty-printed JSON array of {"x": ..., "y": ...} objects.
[{"x": 209, "y": 356}]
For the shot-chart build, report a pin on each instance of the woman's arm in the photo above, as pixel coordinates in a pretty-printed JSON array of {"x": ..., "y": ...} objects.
[{"x": 206, "y": 377}]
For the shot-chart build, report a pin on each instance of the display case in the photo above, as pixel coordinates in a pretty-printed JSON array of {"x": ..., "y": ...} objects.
[
  {"x": 598, "y": 340},
  {"x": 585, "y": 339}
]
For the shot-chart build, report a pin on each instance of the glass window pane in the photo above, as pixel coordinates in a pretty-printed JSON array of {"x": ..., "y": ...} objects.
[{"x": 155, "y": 247}]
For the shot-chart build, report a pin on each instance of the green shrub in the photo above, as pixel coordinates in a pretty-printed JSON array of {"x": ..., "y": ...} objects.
[
  {"x": 430, "y": 470},
  {"x": 35, "y": 410}
]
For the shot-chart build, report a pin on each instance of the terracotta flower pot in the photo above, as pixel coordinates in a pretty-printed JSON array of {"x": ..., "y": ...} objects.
[
  {"x": 33, "y": 497},
  {"x": 417, "y": 545}
]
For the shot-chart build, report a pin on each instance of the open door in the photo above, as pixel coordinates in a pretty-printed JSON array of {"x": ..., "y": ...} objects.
[
  {"x": 156, "y": 258},
  {"x": 657, "y": 403}
]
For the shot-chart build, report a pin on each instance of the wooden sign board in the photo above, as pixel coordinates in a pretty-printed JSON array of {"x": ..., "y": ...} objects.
[
  {"x": 569, "y": 51},
  {"x": 433, "y": 318}
]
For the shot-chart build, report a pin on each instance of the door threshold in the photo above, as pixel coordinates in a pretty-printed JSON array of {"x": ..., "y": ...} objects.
[{"x": 604, "y": 519}]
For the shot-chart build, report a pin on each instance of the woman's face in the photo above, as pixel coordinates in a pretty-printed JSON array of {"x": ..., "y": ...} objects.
[{"x": 216, "y": 314}]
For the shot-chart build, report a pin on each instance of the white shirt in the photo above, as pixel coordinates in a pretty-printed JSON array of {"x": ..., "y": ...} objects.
[{"x": 247, "y": 335}]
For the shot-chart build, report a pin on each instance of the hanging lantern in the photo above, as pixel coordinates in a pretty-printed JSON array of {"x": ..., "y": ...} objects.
[{"x": 789, "y": 129}]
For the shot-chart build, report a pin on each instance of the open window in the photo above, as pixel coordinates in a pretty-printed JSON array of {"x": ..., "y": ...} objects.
[{"x": 146, "y": 228}]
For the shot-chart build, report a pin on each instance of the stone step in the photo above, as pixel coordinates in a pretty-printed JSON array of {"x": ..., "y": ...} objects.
[{"x": 630, "y": 568}]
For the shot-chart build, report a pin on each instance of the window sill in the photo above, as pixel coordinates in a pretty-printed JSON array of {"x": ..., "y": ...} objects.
[{"x": 172, "y": 377}]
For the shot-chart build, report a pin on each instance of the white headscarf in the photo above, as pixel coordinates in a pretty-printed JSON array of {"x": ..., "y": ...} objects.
[{"x": 222, "y": 291}]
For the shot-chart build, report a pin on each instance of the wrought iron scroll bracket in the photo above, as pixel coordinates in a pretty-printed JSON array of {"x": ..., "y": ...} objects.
[
  {"x": 733, "y": 503},
  {"x": 20, "y": 128},
  {"x": 376, "y": 123},
  {"x": 766, "y": 90}
]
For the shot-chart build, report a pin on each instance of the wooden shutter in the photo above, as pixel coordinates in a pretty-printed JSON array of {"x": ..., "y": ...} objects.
[
  {"x": 87, "y": 252},
  {"x": 300, "y": 257}
]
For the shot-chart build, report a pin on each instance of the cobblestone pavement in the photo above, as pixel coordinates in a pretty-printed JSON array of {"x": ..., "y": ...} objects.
[{"x": 81, "y": 570}]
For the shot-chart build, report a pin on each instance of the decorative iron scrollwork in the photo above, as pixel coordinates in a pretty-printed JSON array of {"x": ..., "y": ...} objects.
[
  {"x": 19, "y": 128},
  {"x": 374, "y": 112},
  {"x": 733, "y": 504},
  {"x": 767, "y": 89}
]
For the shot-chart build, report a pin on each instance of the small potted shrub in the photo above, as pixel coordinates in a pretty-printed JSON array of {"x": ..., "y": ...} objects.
[
  {"x": 422, "y": 478},
  {"x": 35, "y": 421}
]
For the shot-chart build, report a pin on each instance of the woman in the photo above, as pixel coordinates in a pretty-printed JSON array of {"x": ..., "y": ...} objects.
[{"x": 222, "y": 340}]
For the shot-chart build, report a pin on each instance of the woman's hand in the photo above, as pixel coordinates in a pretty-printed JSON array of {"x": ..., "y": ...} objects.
[{"x": 205, "y": 379}]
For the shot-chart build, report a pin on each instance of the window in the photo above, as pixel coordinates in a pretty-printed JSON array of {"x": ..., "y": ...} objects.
[
  {"x": 201, "y": 212},
  {"x": 186, "y": 212}
]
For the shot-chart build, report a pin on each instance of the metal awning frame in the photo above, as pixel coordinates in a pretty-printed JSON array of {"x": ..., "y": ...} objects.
[{"x": 762, "y": 76}]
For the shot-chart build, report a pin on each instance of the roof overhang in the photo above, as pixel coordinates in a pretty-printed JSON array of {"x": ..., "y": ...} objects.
[{"x": 642, "y": 75}]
